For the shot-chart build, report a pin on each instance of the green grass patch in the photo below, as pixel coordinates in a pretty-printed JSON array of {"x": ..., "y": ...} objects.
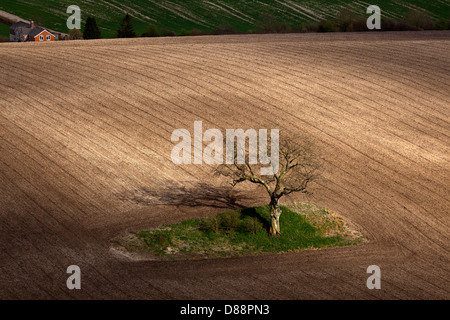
[{"x": 242, "y": 232}]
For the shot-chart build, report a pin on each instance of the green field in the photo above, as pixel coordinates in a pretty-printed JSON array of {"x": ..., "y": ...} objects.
[
  {"x": 4, "y": 30},
  {"x": 205, "y": 15}
]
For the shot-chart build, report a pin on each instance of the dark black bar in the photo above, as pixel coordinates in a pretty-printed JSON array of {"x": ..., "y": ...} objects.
[{"x": 225, "y": 309}]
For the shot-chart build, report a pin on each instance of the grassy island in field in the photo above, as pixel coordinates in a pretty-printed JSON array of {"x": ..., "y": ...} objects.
[{"x": 241, "y": 232}]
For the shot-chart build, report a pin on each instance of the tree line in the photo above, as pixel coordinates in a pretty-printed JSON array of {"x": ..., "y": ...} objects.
[{"x": 92, "y": 31}]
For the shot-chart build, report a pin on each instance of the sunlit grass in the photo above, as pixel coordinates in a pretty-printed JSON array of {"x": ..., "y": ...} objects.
[{"x": 243, "y": 232}]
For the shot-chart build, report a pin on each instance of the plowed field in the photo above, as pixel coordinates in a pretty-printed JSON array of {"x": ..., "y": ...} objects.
[{"x": 85, "y": 146}]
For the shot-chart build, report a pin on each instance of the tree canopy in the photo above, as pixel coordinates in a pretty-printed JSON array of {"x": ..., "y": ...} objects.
[
  {"x": 126, "y": 29},
  {"x": 91, "y": 30}
]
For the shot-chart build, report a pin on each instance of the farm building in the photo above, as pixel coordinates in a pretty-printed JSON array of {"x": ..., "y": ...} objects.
[{"x": 22, "y": 31}]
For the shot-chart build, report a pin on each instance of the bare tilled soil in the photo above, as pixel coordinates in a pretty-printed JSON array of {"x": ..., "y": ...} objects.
[{"x": 85, "y": 131}]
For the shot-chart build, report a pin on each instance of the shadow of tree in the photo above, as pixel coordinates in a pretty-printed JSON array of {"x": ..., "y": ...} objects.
[
  {"x": 263, "y": 218},
  {"x": 199, "y": 195}
]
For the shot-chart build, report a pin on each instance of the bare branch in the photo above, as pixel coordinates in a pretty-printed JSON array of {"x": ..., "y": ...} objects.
[{"x": 298, "y": 167}]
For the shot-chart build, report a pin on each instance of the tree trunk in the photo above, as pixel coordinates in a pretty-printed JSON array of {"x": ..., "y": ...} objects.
[{"x": 275, "y": 213}]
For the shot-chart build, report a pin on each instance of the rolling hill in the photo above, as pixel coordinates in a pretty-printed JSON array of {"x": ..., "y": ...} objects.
[
  {"x": 85, "y": 130},
  {"x": 206, "y": 15}
]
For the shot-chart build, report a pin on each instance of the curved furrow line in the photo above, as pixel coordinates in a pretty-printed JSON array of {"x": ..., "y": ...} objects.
[
  {"x": 70, "y": 130},
  {"x": 394, "y": 219},
  {"x": 40, "y": 291},
  {"x": 38, "y": 271},
  {"x": 439, "y": 223},
  {"x": 440, "y": 218},
  {"x": 423, "y": 285},
  {"x": 330, "y": 63},
  {"x": 193, "y": 91},
  {"x": 346, "y": 186},
  {"x": 134, "y": 101},
  {"x": 13, "y": 264},
  {"x": 46, "y": 229},
  {"x": 394, "y": 47},
  {"x": 427, "y": 54},
  {"x": 346, "y": 282},
  {"x": 107, "y": 133},
  {"x": 377, "y": 204},
  {"x": 146, "y": 111},
  {"x": 120, "y": 63},
  {"x": 286, "y": 284},
  {"x": 365, "y": 62},
  {"x": 67, "y": 230},
  {"x": 32, "y": 160},
  {"x": 427, "y": 159},
  {"x": 404, "y": 80},
  {"x": 64, "y": 170},
  {"x": 375, "y": 236},
  {"x": 376, "y": 84},
  {"x": 52, "y": 150},
  {"x": 325, "y": 71},
  {"x": 291, "y": 48}
]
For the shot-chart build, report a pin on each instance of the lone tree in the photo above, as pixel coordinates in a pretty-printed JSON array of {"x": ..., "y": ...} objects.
[
  {"x": 299, "y": 166},
  {"x": 126, "y": 28},
  {"x": 91, "y": 30}
]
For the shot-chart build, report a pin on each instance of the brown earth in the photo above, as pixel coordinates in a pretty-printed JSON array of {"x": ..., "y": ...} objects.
[{"x": 85, "y": 131}]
